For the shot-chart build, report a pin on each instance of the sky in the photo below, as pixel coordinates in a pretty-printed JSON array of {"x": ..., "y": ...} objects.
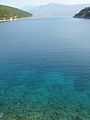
[{"x": 21, "y": 3}]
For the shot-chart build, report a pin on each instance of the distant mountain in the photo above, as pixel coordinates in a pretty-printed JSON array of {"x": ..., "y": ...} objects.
[
  {"x": 28, "y": 8},
  {"x": 53, "y": 10},
  {"x": 7, "y": 12},
  {"x": 84, "y": 13}
]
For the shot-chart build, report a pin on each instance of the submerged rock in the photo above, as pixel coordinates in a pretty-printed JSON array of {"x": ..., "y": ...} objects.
[{"x": 1, "y": 114}]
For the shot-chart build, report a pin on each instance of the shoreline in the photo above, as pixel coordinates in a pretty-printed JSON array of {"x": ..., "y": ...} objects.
[{"x": 10, "y": 20}]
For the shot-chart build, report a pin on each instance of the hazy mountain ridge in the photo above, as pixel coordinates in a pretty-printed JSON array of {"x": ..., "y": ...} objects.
[{"x": 53, "y": 9}]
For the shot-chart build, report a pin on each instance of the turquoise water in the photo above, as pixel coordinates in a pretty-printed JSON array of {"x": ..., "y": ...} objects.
[{"x": 45, "y": 69}]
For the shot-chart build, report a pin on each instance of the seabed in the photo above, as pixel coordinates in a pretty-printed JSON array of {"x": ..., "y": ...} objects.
[{"x": 47, "y": 95}]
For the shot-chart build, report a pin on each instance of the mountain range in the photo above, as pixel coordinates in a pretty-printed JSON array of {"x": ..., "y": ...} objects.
[{"x": 55, "y": 10}]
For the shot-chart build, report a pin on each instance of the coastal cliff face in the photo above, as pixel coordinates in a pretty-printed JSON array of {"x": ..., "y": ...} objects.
[
  {"x": 85, "y": 13},
  {"x": 7, "y": 12}
]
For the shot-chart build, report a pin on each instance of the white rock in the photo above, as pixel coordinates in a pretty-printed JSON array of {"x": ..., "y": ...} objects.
[{"x": 1, "y": 115}]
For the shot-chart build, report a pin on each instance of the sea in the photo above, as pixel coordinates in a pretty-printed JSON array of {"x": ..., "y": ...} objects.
[{"x": 45, "y": 69}]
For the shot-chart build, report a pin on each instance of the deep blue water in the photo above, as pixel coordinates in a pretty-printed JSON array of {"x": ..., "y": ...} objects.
[{"x": 45, "y": 69}]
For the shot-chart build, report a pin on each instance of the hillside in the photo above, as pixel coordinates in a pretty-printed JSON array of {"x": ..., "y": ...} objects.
[
  {"x": 7, "y": 12},
  {"x": 84, "y": 13}
]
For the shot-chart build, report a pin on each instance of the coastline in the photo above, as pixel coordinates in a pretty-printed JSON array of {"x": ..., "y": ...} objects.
[{"x": 9, "y": 20}]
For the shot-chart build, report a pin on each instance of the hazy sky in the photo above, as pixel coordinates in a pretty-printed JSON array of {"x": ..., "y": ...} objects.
[{"x": 19, "y": 3}]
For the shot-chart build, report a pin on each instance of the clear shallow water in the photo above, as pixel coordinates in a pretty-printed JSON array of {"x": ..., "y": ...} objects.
[{"x": 45, "y": 69}]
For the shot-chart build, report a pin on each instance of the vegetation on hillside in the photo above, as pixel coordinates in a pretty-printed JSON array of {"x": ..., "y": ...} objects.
[
  {"x": 7, "y": 12},
  {"x": 85, "y": 13}
]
